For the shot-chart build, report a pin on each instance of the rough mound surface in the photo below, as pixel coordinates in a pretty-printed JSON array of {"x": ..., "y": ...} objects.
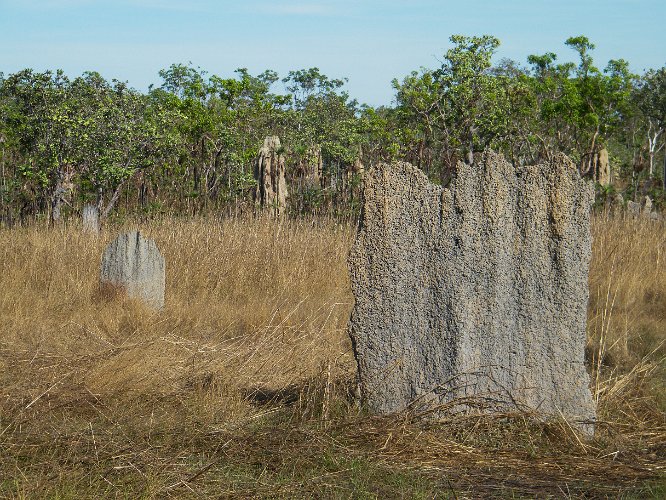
[
  {"x": 135, "y": 264},
  {"x": 476, "y": 291},
  {"x": 269, "y": 171},
  {"x": 90, "y": 217}
]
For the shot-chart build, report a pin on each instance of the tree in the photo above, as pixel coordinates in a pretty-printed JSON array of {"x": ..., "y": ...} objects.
[
  {"x": 650, "y": 97},
  {"x": 221, "y": 122},
  {"x": 124, "y": 136},
  {"x": 579, "y": 106},
  {"x": 42, "y": 126},
  {"x": 321, "y": 120},
  {"x": 420, "y": 122},
  {"x": 458, "y": 109},
  {"x": 84, "y": 135},
  {"x": 473, "y": 98}
]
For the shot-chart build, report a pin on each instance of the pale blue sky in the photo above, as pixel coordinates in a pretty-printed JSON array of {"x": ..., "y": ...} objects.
[{"x": 368, "y": 41}]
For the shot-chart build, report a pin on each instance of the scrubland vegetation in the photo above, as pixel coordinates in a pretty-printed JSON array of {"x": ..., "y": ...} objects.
[
  {"x": 189, "y": 143},
  {"x": 243, "y": 385}
]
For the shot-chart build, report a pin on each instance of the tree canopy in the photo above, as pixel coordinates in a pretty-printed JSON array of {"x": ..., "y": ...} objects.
[{"x": 188, "y": 144}]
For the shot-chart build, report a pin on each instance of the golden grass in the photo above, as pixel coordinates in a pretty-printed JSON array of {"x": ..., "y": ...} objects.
[
  {"x": 242, "y": 385},
  {"x": 627, "y": 308},
  {"x": 253, "y": 304}
]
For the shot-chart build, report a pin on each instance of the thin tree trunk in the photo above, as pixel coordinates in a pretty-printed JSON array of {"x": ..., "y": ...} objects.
[
  {"x": 470, "y": 153},
  {"x": 57, "y": 197},
  {"x": 663, "y": 179},
  {"x": 651, "y": 164},
  {"x": 114, "y": 199},
  {"x": 5, "y": 210}
]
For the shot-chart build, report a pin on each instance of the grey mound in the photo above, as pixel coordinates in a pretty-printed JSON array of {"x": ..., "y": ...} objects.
[
  {"x": 90, "y": 217},
  {"x": 269, "y": 172},
  {"x": 647, "y": 206},
  {"x": 604, "y": 176},
  {"x": 135, "y": 264},
  {"x": 633, "y": 209},
  {"x": 617, "y": 203},
  {"x": 647, "y": 212},
  {"x": 476, "y": 293}
]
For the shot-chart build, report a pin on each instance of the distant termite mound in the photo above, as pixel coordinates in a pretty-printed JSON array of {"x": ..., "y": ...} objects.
[
  {"x": 269, "y": 168},
  {"x": 134, "y": 265}
]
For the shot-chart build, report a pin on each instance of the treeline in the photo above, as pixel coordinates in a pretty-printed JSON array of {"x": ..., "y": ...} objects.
[{"x": 188, "y": 145}]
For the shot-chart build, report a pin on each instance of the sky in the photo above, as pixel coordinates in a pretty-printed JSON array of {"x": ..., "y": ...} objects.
[{"x": 370, "y": 42}]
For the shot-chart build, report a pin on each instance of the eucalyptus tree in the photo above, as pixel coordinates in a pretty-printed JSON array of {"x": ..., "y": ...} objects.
[
  {"x": 474, "y": 101},
  {"x": 41, "y": 123},
  {"x": 421, "y": 133},
  {"x": 321, "y": 114},
  {"x": 321, "y": 123},
  {"x": 84, "y": 136},
  {"x": 221, "y": 122},
  {"x": 580, "y": 106},
  {"x": 252, "y": 111},
  {"x": 459, "y": 108},
  {"x": 9, "y": 185},
  {"x": 124, "y": 136},
  {"x": 650, "y": 98},
  {"x": 186, "y": 91},
  {"x": 518, "y": 136}
]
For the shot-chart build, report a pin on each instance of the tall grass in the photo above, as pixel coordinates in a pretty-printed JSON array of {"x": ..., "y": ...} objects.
[
  {"x": 242, "y": 385},
  {"x": 249, "y": 303},
  {"x": 627, "y": 325}
]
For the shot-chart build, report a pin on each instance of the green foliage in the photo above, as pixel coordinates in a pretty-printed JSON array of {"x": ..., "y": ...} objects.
[
  {"x": 322, "y": 116},
  {"x": 190, "y": 142},
  {"x": 458, "y": 109},
  {"x": 581, "y": 107}
]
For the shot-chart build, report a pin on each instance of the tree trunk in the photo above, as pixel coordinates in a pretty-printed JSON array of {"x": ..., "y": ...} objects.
[
  {"x": 2, "y": 165},
  {"x": 114, "y": 198},
  {"x": 57, "y": 197},
  {"x": 200, "y": 168},
  {"x": 196, "y": 178},
  {"x": 651, "y": 164},
  {"x": 143, "y": 193},
  {"x": 663, "y": 179}
]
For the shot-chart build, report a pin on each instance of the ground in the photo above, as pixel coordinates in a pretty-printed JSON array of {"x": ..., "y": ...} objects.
[{"x": 243, "y": 386}]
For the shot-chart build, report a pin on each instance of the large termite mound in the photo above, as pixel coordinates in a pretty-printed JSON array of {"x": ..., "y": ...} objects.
[{"x": 475, "y": 293}]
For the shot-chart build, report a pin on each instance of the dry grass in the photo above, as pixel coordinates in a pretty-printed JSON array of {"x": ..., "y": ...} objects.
[
  {"x": 242, "y": 385},
  {"x": 627, "y": 311}
]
